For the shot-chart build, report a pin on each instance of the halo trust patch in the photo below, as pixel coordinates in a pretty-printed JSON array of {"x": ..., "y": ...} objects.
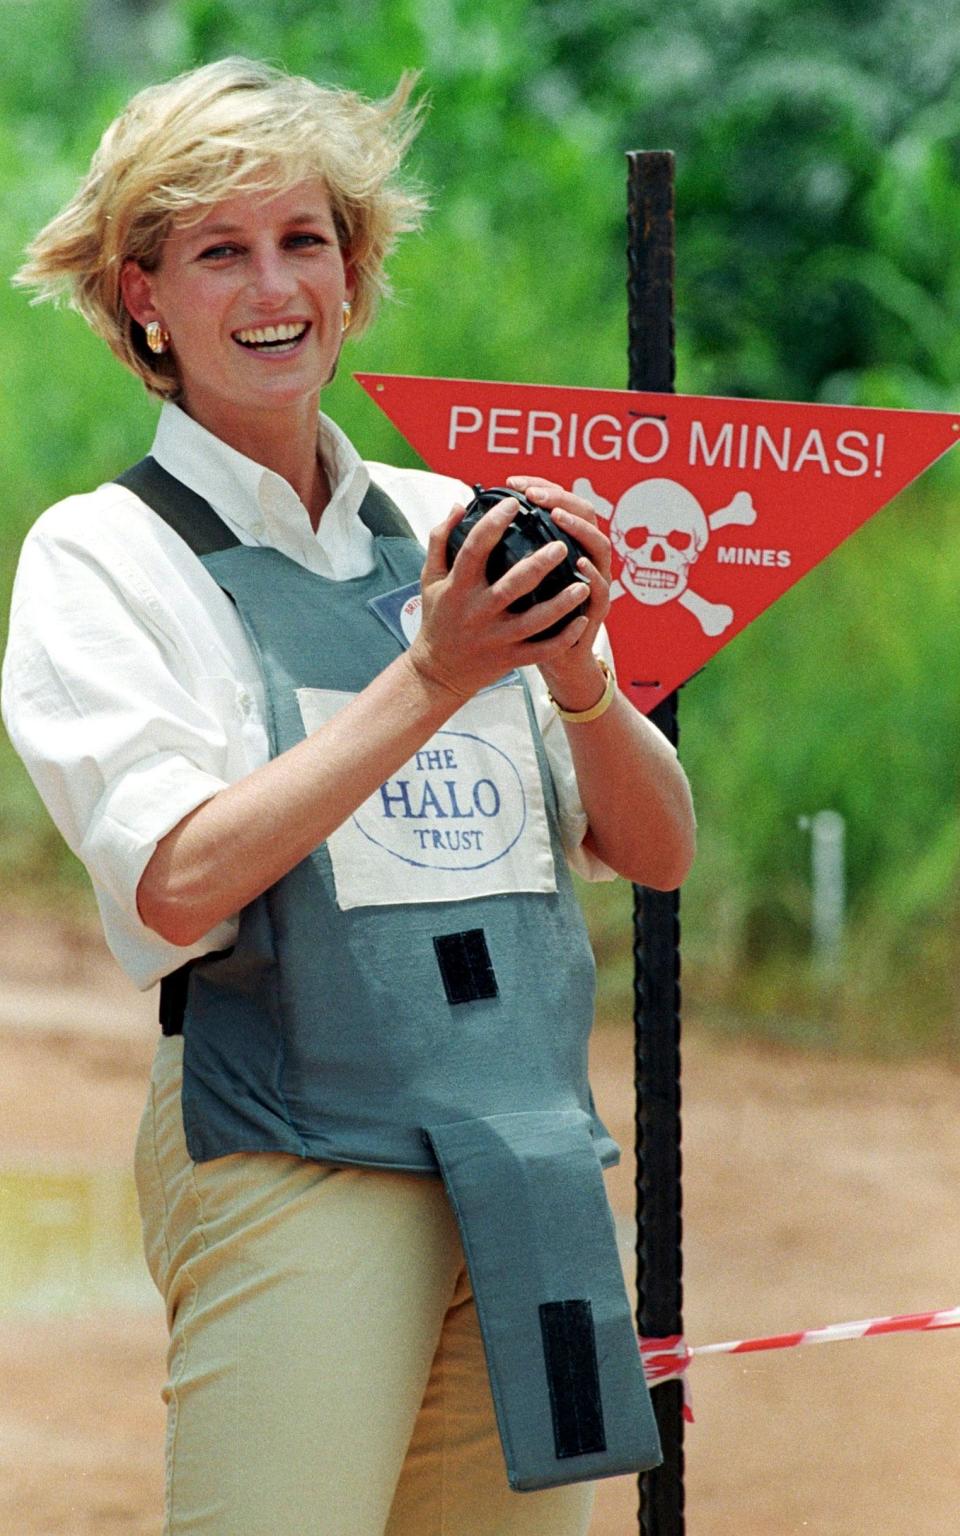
[{"x": 464, "y": 816}]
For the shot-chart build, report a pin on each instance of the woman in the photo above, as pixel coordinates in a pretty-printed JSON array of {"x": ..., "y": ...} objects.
[{"x": 209, "y": 684}]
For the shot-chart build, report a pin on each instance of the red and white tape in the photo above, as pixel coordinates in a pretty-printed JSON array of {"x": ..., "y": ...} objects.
[{"x": 668, "y": 1359}]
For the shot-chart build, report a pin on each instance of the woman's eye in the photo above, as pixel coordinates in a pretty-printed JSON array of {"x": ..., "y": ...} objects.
[
  {"x": 295, "y": 242},
  {"x": 213, "y": 252}
]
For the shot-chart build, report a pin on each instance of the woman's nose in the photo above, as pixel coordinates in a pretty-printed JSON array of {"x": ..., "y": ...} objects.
[{"x": 271, "y": 279}]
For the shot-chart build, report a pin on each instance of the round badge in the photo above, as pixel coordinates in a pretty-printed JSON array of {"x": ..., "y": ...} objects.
[{"x": 410, "y": 615}]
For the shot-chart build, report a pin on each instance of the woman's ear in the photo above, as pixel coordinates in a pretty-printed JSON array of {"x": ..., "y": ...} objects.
[{"x": 137, "y": 290}]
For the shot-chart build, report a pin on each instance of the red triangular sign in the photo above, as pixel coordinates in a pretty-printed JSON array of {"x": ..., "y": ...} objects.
[{"x": 715, "y": 507}]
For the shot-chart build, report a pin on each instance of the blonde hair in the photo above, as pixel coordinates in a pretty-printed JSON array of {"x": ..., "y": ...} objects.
[{"x": 178, "y": 148}]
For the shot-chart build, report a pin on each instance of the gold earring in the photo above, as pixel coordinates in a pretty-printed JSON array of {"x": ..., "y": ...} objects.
[
  {"x": 347, "y": 315},
  {"x": 158, "y": 339}
]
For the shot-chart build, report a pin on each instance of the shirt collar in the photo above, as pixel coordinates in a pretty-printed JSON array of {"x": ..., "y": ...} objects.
[{"x": 260, "y": 507}]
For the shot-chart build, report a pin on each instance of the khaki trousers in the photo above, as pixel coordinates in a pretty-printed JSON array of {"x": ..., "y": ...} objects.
[{"x": 326, "y": 1374}]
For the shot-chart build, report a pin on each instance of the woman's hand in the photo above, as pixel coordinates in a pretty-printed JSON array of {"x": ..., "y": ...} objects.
[
  {"x": 468, "y": 637},
  {"x": 632, "y": 787},
  {"x": 572, "y": 675}
]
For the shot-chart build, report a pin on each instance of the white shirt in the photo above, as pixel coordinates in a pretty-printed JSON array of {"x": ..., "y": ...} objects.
[{"x": 130, "y": 690}]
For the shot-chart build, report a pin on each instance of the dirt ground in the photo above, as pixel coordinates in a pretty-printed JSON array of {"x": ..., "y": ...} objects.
[{"x": 815, "y": 1192}]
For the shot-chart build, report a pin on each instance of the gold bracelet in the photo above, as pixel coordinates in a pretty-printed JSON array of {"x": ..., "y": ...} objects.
[{"x": 581, "y": 716}]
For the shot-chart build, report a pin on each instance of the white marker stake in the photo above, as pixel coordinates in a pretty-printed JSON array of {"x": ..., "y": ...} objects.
[{"x": 827, "y": 865}]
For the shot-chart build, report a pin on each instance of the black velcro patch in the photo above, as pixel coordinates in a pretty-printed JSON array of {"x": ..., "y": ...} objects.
[
  {"x": 465, "y": 966},
  {"x": 570, "y": 1351},
  {"x": 173, "y": 999}
]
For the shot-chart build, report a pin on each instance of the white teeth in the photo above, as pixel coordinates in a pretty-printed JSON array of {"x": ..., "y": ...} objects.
[{"x": 270, "y": 333}]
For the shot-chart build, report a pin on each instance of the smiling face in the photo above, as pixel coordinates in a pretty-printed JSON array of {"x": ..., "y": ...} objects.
[{"x": 252, "y": 297}]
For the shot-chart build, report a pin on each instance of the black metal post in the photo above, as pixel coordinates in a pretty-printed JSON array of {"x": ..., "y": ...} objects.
[{"x": 656, "y": 913}]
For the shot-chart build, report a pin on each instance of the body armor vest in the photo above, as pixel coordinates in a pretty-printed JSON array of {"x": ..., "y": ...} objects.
[{"x": 417, "y": 994}]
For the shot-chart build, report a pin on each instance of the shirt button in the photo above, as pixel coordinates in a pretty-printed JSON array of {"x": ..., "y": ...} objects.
[{"x": 244, "y": 705}]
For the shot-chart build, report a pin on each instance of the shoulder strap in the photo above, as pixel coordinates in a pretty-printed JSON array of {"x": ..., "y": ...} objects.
[
  {"x": 383, "y": 517},
  {"x": 198, "y": 525},
  {"x": 187, "y": 514},
  {"x": 204, "y": 532}
]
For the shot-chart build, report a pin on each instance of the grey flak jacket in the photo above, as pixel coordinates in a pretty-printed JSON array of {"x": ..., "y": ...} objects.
[{"x": 399, "y": 1000}]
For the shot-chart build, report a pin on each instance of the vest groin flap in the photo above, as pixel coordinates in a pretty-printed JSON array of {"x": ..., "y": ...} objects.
[{"x": 565, "y": 1370}]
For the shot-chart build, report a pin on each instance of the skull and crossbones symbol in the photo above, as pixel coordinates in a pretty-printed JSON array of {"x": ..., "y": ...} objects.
[{"x": 660, "y": 530}]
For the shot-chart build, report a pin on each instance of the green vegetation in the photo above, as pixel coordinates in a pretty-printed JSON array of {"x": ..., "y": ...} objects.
[{"x": 818, "y": 204}]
